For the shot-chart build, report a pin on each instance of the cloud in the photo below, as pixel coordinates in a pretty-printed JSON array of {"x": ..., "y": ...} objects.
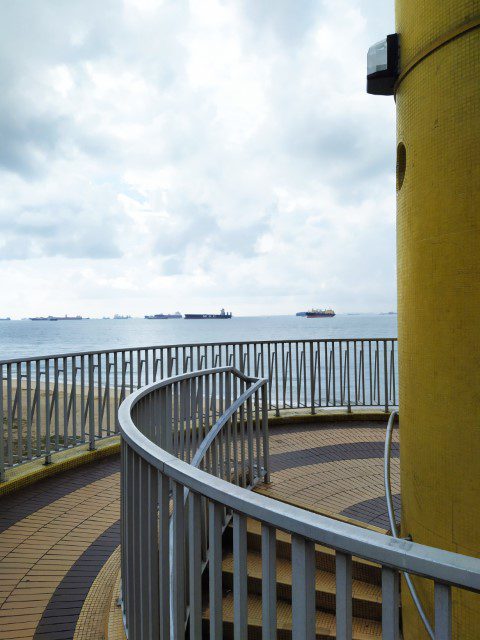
[{"x": 194, "y": 151}]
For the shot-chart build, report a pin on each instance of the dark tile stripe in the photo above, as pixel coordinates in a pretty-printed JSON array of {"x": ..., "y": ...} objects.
[
  {"x": 22, "y": 503},
  {"x": 60, "y": 617},
  {"x": 330, "y": 453},
  {"x": 374, "y": 511}
]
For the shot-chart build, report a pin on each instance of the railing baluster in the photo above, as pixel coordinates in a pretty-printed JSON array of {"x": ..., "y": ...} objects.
[
  {"x": 269, "y": 583},
  {"x": 38, "y": 409},
  {"x": 47, "y": 413},
  {"x": 28, "y": 411},
  {"x": 74, "y": 399},
  {"x": 215, "y": 512},
  {"x": 178, "y": 543},
  {"x": 303, "y": 589},
  {"x": 343, "y": 610},
  {"x": 91, "y": 403},
  {"x": 163, "y": 555},
  {"x": 251, "y": 459},
  {"x": 443, "y": 611},
  {"x": 390, "y": 604},
  {"x": 240, "y": 602},
  {"x": 195, "y": 564},
  {"x": 266, "y": 445},
  {"x": 19, "y": 396},
  {"x": 65, "y": 403}
]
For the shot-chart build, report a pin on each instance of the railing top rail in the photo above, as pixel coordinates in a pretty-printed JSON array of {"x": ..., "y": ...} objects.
[
  {"x": 232, "y": 343},
  {"x": 436, "y": 564}
]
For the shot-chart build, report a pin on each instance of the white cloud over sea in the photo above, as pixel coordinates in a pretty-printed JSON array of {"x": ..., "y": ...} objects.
[{"x": 157, "y": 156}]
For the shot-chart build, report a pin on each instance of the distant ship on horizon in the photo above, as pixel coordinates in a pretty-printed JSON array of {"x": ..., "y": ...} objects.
[
  {"x": 165, "y": 316},
  {"x": 55, "y": 318},
  {"x": 223, "y": 315},
  {"x": 320, "y": 313},
  {"x": 117, "y": 316}
]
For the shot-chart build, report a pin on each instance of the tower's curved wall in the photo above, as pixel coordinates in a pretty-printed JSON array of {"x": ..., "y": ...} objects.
[{"x": 438, "y": 235}]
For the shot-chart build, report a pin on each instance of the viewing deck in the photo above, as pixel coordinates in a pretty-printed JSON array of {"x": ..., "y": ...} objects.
[
  {"x": 59, "y": 538},
  {"x": 249, "y": 499}
]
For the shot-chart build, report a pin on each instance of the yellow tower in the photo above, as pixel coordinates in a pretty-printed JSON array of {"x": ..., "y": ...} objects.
[{"x": 438, "y": 235}]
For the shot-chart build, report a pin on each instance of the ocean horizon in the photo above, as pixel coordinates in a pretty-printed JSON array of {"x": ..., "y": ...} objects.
[{"x": 26, "y": 338}]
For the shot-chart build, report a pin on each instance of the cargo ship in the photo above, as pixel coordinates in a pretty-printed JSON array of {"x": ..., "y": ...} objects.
[
  {"x": 55, "y": 318},
  {"x": 301, "y": 314},
  {"x": 320, "y": 313},
  {"x": 165, "y": 316},
  {"x": 223, "y": 315}
]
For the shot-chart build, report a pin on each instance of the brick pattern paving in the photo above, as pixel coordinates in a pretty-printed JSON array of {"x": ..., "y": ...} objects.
[
  {"x": 334, "y": 468},
  {"x": 25, "y": 502},
  {"x": 374, "y": 511},
  {"x": 59, "y": 619},
  {"x": 56, "y": 535},
  {"x": 101, "y": 604},
  {"x": 39, "y": 550}
]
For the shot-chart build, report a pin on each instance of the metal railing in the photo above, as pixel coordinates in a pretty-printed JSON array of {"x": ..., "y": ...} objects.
[
  {"x": 162, "y": 591},
  {"x": 393, "y": 524},
  {"x": 179, "y": 414},
  {"x": 55, "y": 402}
]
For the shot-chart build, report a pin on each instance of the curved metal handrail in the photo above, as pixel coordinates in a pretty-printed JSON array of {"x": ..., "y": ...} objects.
[
  {"x": 228, "y": 413},
  {"x": 172, "y": 609},
  {"x": 436, "y": 564},
  {"x": 208, "y": 441},
  {"x": 393, "y": 524}
]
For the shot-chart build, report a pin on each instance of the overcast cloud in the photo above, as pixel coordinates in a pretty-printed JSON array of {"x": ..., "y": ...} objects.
[{"x": 157, "y": 156}]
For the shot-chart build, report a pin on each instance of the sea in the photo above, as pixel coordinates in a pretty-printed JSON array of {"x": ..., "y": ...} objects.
[{"x": 25, "y": 338}]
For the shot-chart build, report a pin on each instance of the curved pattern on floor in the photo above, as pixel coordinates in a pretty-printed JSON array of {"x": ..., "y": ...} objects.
[
  {"x": 59, "y": 619},
  {"x": 57, "y": 521},
  {"x": 374, "y": 511},
  {"x": 332, "y": 468},
  {"x": 56, "y": 535}
]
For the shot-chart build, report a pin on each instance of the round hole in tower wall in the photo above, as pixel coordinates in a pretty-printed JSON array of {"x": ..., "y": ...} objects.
[{"x": 401, "y": 164}]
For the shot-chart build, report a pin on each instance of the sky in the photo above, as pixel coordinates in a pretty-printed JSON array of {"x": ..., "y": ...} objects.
[{"x": 170, "y": 155}]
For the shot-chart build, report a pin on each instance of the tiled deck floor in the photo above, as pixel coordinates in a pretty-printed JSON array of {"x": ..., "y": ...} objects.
[
  {"x": 56, "y": 535},
  {"x": 334, "y": 468}
]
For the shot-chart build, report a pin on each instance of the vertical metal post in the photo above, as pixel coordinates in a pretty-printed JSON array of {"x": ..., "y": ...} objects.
[
  {"x": 390, "y": 604},
  {"x": 164, "y": 555},
  {"x": 266, "y": 449},
  {"x": 28, "y": 410},
  {"x": 347, "y": 373},
  {"x": 56, "y": 402},
  {"x": 178, "y": 561},
  {"x": 240, "y": 608},
  {"x": 269, "y": 583},
  {"x": 277, "y": 406},
  {"x": 215, "y": 512},
  {"x": 312, "y": 380},
  {"x": 385, "y": 374},
  {"x": 48, "y": 456},
  {"x": 19, "y": 396},
  {"x": 443, "y": 611},
  {"x": 343, "y": 611},
  {"x": 251, "y": 458},
  {"x": 303, "y": 589},
  {"x": 91, "y": 404},
  {"x": 195, "y": 564}
]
